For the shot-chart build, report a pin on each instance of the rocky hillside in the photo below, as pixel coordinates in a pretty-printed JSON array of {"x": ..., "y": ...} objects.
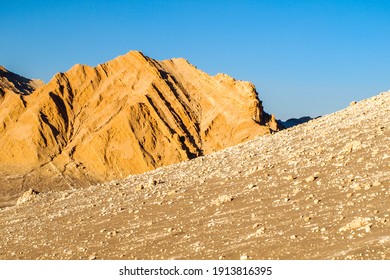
[
  {"x": 320, "y": 190},
  {"x": 13, "y": 83},
  {"x": 126, "y": 116}
]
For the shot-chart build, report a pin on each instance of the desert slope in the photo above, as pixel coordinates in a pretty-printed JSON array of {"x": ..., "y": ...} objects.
[
  {"x": 126, "y": 116},
  {"x": 320, "y": 190}
]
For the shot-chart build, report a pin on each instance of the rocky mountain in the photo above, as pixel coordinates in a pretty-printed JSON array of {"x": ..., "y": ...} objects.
[
  {"x": 320, "y": 190},
  {"x": 13, "y": 83},
  {"x": 126, "y": 116}
]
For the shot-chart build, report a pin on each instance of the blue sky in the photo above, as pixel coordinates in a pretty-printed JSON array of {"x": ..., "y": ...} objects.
[{"x": 305, "y": 57}]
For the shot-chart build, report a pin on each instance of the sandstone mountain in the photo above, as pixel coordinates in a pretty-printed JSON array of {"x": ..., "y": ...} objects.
[
  {"x": 126, "y": 116},
  {"x": 13, "y": 83},
  {"x": 319, "y": 190}
]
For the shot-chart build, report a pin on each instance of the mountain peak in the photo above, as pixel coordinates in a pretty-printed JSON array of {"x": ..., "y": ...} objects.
[
  {"x": 131, "y": 56},
  {"x": 126, "y": 116}
]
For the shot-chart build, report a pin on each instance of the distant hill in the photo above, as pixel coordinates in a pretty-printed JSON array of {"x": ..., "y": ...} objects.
[{"x": 294, "y": 121}]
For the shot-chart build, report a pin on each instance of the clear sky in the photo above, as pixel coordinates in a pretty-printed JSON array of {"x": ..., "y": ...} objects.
[{"x": 305, "y": 57}]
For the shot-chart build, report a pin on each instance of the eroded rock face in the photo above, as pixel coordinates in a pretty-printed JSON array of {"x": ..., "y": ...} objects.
[
  {"x": 126, "y": 116},
  {"x": 13, "y": 83}
]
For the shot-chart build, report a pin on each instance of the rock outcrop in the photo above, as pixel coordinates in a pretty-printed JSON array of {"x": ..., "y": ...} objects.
[
  {"x": 126, "y": 116},
  {"x": 11, "y": 82}
]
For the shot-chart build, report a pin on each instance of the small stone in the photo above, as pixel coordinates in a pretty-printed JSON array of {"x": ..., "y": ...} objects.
[
  {"x": 306, "y": 219},
  {"x": 356, "y": 224},
  {"x": 356, "y": 186},
  {"x": 256, "y": 225},
  {"x": 172, "y": 192},
  {"x": 251, "y": 186},
  {"x": 309, "y": 179},
  {"x": 244, "y": 257},
  {"x": 376, "y": 184},
  {"x": 153, "y": 182},
  {"x": 222, "y": 199},
  {"x": 258, "y": 232},
  {"x": 352, "y": 146},
  {"x": 311, "y": 196},
  {"x": 293, "y": 237},
  {"x": 289, "y": 178},
  {"x": 27, "y": 196}
]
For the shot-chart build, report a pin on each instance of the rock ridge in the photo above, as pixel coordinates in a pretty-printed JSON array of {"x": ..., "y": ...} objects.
[{"x": 125, "y": 116}]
